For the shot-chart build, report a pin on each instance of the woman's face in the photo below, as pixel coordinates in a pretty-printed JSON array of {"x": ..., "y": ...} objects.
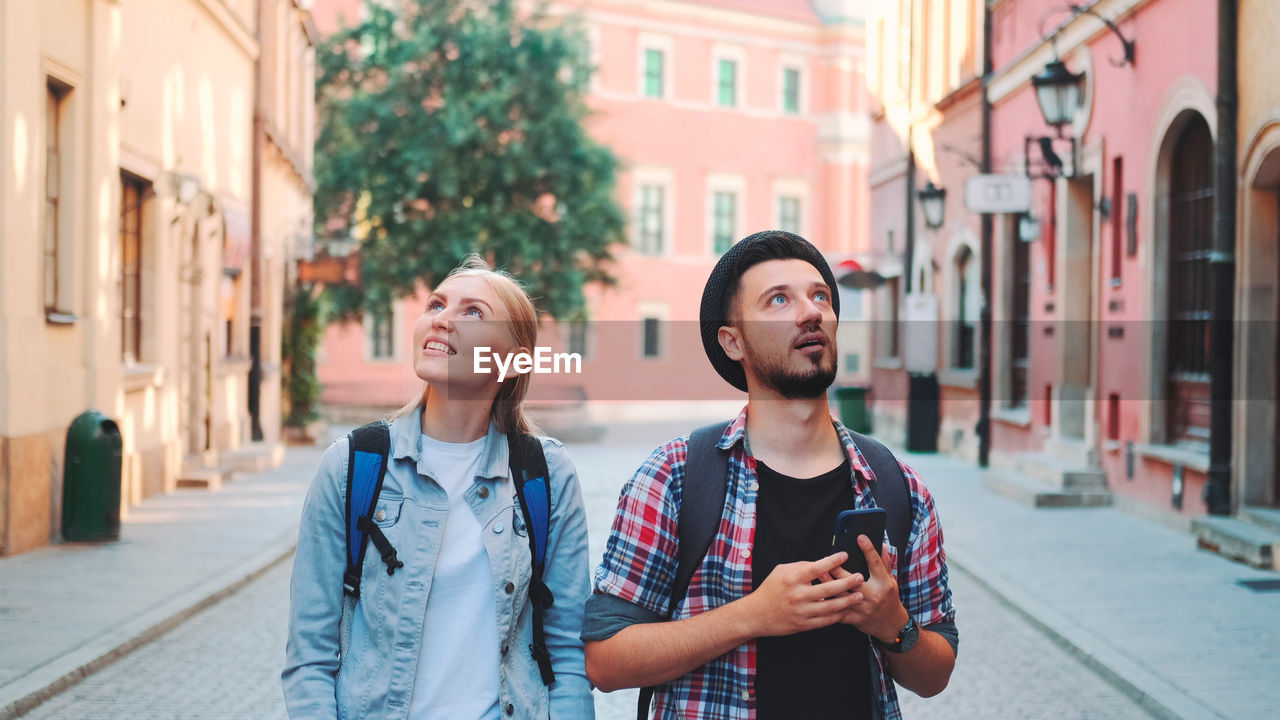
[{"x": 463, "y": 313}]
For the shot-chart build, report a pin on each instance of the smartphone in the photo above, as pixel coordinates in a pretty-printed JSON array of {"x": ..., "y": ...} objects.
[{"x": 849, "y": 525}]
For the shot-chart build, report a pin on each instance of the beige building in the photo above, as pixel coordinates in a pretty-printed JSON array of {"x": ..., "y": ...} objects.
[
  {"x": 154, "y": 154},
  {"x": 1256, "y": 438}
]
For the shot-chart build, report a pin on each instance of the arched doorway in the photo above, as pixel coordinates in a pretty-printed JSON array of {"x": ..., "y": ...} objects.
[{"x": 1189, "y": 300}]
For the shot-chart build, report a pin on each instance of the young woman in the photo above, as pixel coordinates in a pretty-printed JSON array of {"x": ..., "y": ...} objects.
[{"x": 449, "y": 634}]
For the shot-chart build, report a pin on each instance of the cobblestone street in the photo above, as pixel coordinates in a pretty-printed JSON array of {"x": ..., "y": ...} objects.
[{"x": 225, "y": 661}]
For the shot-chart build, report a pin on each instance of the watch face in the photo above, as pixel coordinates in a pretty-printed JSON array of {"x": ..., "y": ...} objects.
[{"x": 908, "y": 637}]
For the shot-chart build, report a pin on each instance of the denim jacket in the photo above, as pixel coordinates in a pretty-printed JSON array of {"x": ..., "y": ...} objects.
[{"x": 374, "y": 678}]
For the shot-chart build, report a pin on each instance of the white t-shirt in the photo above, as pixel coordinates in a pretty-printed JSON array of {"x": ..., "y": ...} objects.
[{"x": 458, "y": 666}]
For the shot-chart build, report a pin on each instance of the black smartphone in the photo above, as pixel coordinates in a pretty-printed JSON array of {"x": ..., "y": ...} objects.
[{"x": 849, "y": 525}]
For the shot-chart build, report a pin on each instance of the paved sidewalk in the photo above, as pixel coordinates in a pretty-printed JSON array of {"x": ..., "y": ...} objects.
[
  {"x": 1135, "y": 600},
  {"x": 67, "y": 610}
]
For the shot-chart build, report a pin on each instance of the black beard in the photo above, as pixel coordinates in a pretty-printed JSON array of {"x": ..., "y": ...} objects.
[{"x": 794, "y": 385}]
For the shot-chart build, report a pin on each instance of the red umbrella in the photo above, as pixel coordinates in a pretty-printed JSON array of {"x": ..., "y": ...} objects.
[{"x": 851, "y": 274}]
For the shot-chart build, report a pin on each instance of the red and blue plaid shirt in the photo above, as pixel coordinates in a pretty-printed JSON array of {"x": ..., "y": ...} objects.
[{"x": 640, "y": 562}]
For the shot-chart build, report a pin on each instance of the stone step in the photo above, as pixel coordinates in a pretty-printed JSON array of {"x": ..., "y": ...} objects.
[
  {"x": 1059, "y": 474},
  {"x": 254, "y": 457},
  {"x": 205, "y": 478},
  {"x": 1068, "y": 451},
  {"x": 1237, "y": 539},
  {"x": 1029, "y": 491},
  {"x": 1264, "y": 517}
]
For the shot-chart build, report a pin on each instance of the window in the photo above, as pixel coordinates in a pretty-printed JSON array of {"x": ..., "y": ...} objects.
[
  {"x": 1020, "y": 325},
  {"x": 1190, "y": 311},
  {"x": 578, "y": 337},
  {"x": 55, "y": 292},
  {"x": 380, "y": 325},
  {"x": 791, "y": 91},
  {"x": 653, "y": 72},
  {"x": 133, "y": 193},
  {"x": 789, "y": 214},
  {"x": 1117, "y": 215},
  {"x": 962, "y": 355},
  {"x": 651, "y": 220},
  {"x": 651, "y": 341},
  {"x": 727, "y": 82},
  {"x": 724, "y": 220}
]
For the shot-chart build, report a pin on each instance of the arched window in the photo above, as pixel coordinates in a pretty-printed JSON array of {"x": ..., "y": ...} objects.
[{"x": 1190, "y": 242}]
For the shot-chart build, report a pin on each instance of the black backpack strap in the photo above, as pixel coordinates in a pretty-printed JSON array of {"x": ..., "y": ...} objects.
[
  {"x": 702, "y": 497},
  {"x": 368, "y": 448},
  {"x": 891, "y": 493},
  {"x": 529, "y": 472}
]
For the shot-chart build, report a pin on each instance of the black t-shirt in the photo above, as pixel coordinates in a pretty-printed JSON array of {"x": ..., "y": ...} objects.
[{"x": 823, "y": 673}]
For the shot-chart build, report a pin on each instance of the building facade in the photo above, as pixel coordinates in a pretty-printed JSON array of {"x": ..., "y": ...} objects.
[
  {"x": 925, "y": 83},
  {"x": 1256, "y": 423},
  {"x": 729, "y": 117},
  {"x": 1101, "y": 293},
  {"x": 128, "y": 191}
]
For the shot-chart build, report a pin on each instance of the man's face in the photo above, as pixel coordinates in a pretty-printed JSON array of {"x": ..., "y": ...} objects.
[{"x": 783, "y": 328}]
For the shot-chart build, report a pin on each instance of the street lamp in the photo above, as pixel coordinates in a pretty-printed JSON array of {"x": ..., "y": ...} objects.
[
  {"x": 1057, "y": 93},
  {"x": 933, "y": 201}
]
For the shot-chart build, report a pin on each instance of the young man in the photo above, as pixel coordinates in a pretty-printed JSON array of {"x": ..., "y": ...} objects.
[{"x": 772, "y": 626}]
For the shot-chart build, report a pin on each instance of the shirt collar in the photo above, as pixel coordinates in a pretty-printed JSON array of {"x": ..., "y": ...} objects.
[
  {"x": 406, "y": 442},
  {"x": 736, "y": 432}
]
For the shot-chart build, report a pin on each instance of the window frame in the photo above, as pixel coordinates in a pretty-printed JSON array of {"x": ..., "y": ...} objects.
[
  {"x": 663, "y": 45},
  {"x": 738, "y": 57},
  {"x": 136, "y": 193},
  {"x": 56, "y": 281},
  {"x": 663, "y": 178}
]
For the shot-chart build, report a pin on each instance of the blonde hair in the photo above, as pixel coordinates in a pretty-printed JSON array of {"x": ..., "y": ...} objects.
[{"x": 508, "y": 411}]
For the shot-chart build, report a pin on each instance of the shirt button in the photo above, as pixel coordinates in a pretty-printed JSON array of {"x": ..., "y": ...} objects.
[
  {"x": 380, "y": 516},
  {"x": 746, "y": 695},
  {"x": 483, "y": 492},
  {"x": 510, "y": 588},
  {"x": 754, "y": 486},
  {"x": 498, "y": 528},
  {"x": 746, "y": 553},
  {"x": 511, "y": 709}
]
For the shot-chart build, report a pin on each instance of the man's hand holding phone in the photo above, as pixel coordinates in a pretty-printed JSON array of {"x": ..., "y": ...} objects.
[
  {"x": 878, "y": 612},
  {"x": 788, "y": 601}
]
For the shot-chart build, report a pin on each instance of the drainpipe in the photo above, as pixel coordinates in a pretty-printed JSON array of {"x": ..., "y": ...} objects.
[
  {"x": 988, "y": 230},
  {"x": 1222, "y": 266}
]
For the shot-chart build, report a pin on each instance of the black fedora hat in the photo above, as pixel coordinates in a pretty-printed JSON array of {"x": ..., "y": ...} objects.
[{"x": 711, "y": 314}]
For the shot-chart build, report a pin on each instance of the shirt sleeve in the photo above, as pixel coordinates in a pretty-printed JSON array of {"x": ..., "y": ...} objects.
[
  {"x": 640, "y": 557},
  {"x": 568, "y": 577},
  {"x": 926, "y": 596}
]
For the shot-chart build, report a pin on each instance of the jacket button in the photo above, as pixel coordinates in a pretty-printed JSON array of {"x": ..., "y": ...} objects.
[
  {"x": 380, "y": 515},
  {"x": 511, "y": 709},
  {"x": 498, "y": 528},
  {"x": 510, "y": 588},
  {"x": 504, "y": 650},
  {"x": 483, "y": 492}
]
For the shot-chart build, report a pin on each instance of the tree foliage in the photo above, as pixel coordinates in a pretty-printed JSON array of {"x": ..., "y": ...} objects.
[{"x": 454, "y": 126}]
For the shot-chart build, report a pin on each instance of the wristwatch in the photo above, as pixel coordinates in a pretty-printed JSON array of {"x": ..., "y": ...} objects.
[{"x": 907, "y": 638}]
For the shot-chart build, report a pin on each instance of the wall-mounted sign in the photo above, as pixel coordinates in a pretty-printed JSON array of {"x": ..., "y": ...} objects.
[{"x": 997, "y": 194}]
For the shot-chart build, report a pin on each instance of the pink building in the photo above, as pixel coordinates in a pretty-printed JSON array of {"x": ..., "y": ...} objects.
[{"x": 729, "y": 116}]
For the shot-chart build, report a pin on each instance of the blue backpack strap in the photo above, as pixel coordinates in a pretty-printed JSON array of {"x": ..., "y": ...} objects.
[
  {"x": 891, "y": 493},
  {"x": 369, "y": 446},
  {"x": 529, "y": 472},
  {"x": 702, "y": 494}
]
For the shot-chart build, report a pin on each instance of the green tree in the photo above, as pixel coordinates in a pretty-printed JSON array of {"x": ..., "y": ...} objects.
[
  {"x": 303, "y": 330},
  {"x": 451, "y": 127}
]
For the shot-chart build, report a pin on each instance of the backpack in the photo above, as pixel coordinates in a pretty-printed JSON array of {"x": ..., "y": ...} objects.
[
  {"x": 702, "y": 504},
  {"x": 370, "y": 446}
]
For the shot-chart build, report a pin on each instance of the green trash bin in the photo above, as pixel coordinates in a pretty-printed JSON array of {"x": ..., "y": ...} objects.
[
  {"x": 91, "y": 479},
  {"x": 852, "y": 401}
]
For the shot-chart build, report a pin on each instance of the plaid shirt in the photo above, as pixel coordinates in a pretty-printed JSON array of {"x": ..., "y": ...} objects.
[{"x": 640, "y": 561}]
